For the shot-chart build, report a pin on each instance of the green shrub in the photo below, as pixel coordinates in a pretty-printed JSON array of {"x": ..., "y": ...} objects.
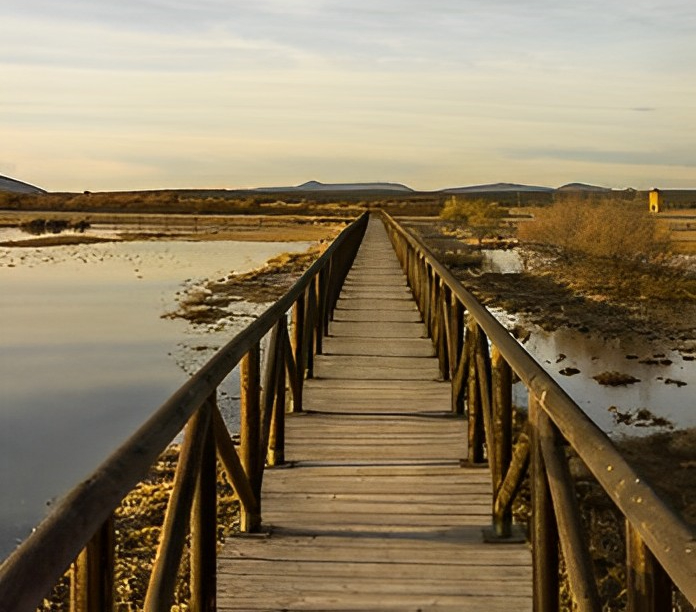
[{"x": 482, "y": 218}]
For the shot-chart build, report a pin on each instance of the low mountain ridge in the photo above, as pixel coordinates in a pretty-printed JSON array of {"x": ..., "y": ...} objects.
[
  {"x": 498, "y": 187},
  {"x": 582, "y": 187},
  {"x": 11, "y": 185},
  {"x": 317, "y": 186}
]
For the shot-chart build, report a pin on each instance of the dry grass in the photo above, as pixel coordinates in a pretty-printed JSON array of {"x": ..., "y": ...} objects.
[
  {"x": 247, "y": 228},
  {"x": 220, "y": 201},
  {"x": 277, "y": 233},
  {"x": 612, "y": 231},
  {"x": 138, "y": 522}
]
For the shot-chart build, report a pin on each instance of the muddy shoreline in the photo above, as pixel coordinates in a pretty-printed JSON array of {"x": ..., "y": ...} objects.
[
  {"x": 213, "y": 300},
  {"x": 553, "y": 292},
  {"x": 120, "y": 228}
]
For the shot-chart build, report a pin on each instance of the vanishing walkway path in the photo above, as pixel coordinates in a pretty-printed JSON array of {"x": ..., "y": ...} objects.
[{"x": 376, "y": 512}]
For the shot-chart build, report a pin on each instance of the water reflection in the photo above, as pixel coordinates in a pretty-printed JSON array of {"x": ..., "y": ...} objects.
[
  {"x": 565, "y": 350},
  {"x": 502, "y": 261},
  {"x": 85, "y": 356}
]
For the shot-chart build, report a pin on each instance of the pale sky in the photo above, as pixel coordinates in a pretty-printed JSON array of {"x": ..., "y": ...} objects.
[{"x": 144, "y": 94}]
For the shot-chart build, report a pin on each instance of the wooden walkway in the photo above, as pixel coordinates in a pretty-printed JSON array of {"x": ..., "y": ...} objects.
[{"x": 375, "y": 512}]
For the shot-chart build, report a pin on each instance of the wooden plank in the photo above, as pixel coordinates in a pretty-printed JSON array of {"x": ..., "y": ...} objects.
[
  {"x": 380, "y": 551},
  {"x": 377, "y": 512},
  {"x": 398, "y": 548},
  {"x": 405, "y": 387},
  {"x": 364, "y": 303},
  {"x": 377, "y": 291},
  {"x": 363, "y": 573},
  {"x": 376, "y": 368},
  {"x": 384, "y": 372},
  {"x": 400, "y": 347},
  {"x": 376, "y": 287},
  {"x": 376, "y": 330},
  {"x": 377, "y": 316}
]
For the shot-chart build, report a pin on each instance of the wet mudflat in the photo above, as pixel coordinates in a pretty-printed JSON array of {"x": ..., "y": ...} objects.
[{"x": 628, "y": 379}]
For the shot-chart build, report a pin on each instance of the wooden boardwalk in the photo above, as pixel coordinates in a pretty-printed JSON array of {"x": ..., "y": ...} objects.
[{"x": 376, "y": 512}]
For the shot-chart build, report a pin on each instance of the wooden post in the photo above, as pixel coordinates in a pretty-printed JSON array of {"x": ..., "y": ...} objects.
[
  {"x": 544, "y": 534},
  {"x": 427, "y": 295},
  {"x": 460, "y": 382},
  {"x": 250, "y": 422},
  {"x": 327, "y": 312},
  {"x": 460, "y": 350},
  {"x": 339, "y": 272},
  {"x": 298, "y": 322},
  {"x": 413, "y": 269},
  {"x": 321, "y": 311},
  {"x": 415, "y": 285},
  {"x": 576, "y": 553},
  {"x": 423, "y": 288},
  {"x": 482, "y": 360},
  {"x": 514, "y": 476},
  {"x": 160, "y": 591},
  {"x": 444, "y": 339},
  {"x": 473, "y": 398},
  {"x": 276, "y": 440},
  {"x": 235, "y": 472},
  {"x": 648, "y": 586},
  {"x": 456, "y": 333},
  {"x": 92, "y": 585},
  {"x": 203, "y": 554},
  {"x": 274, "y": 362},
  {"x": 310, "y": 328},
  {"x": 502, "y": 426},
  {"x": 434, "y": 311}
]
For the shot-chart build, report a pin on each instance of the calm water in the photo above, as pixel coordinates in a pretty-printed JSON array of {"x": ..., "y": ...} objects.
[{"x": 85, "y": 355}]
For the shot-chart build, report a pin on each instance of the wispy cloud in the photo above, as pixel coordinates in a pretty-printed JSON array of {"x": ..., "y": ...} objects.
[
  {"x": 445, "y": 90},
  {"x": 663, "y": 158}
]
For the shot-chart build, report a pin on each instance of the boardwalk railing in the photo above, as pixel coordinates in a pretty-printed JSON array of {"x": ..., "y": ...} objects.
[
  {"x": 81, "y": 525},
  {"x": 660, "y": 547}
]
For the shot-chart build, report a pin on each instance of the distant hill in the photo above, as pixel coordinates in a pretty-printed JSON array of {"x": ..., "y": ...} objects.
[
  {"x": 582, "y": 187},
  {"x": 317, "y": 186},
  {"x": 14, "y": 186},
  {"x": 498, "y": 187}
]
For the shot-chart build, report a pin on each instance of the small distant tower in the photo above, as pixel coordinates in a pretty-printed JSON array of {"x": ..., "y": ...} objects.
[{"x": 655, "y": 200}]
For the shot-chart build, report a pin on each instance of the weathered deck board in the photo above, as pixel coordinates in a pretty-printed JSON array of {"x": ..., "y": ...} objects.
[{"x": 376, "y": 512}]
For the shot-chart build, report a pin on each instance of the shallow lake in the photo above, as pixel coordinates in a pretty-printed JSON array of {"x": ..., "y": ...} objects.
[
  {"x": 573, "y": 358},
  {"x": 86, "y": 357}
]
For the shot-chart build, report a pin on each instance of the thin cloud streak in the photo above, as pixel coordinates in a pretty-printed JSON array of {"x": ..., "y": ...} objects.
[{"x": 645, "y": 158}]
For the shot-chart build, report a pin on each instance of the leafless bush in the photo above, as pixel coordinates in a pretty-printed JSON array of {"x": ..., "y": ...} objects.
[{"x": 608, "y": 230}]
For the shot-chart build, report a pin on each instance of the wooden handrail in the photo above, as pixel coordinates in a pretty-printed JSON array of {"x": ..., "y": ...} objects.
[
  {"x": 669, "y": 539},
  {"x": 28, "y": 574}
]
